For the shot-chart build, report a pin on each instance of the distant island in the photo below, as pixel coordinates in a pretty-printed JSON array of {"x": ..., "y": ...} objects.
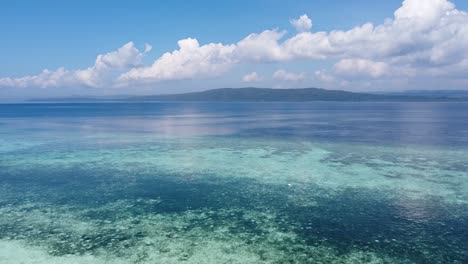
[{"x": 252, "y": 94}]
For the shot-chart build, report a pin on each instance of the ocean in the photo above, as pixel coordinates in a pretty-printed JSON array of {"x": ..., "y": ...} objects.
[{"x": 318, "y": 182}]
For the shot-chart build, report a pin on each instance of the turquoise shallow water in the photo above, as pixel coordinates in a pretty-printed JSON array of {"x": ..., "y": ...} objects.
[{"x": 234, "y": 183}]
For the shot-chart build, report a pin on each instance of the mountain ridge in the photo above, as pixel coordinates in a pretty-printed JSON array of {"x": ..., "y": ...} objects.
[{"x": 253, "y": 94}]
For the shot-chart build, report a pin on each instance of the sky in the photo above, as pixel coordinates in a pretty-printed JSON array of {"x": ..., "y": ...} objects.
[{"x": 63, "y": 48}]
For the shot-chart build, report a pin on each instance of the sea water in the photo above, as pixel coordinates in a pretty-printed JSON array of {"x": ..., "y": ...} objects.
[{"x": 234, "y": 183}]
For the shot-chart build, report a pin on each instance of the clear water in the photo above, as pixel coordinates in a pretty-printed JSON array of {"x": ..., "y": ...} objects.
[{"x": 234, "y": 183}]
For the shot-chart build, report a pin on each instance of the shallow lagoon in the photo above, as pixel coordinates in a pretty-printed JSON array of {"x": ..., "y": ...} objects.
[{"x": 234, "y": 183}]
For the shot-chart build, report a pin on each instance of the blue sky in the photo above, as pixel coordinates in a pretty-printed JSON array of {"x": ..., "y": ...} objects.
[{"x": 40, "y": 35}]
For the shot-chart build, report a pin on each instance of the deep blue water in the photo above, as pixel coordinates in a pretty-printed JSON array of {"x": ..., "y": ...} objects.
[
  {"x": 234, "y": 183},
  {"x": 382, "y": 123}
]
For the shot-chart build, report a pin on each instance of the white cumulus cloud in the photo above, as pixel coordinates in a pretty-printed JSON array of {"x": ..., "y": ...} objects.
[
  {"x": 190, "y": 61},
  {"x": 251, "y": 77},
  {"x": 361, "y": 68},
  {"x": 105, "y": 66},
  {"x": 302, "y": 24},
  {"x": 102, "y": 73},
  {"x": 261, "y": 47}
]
